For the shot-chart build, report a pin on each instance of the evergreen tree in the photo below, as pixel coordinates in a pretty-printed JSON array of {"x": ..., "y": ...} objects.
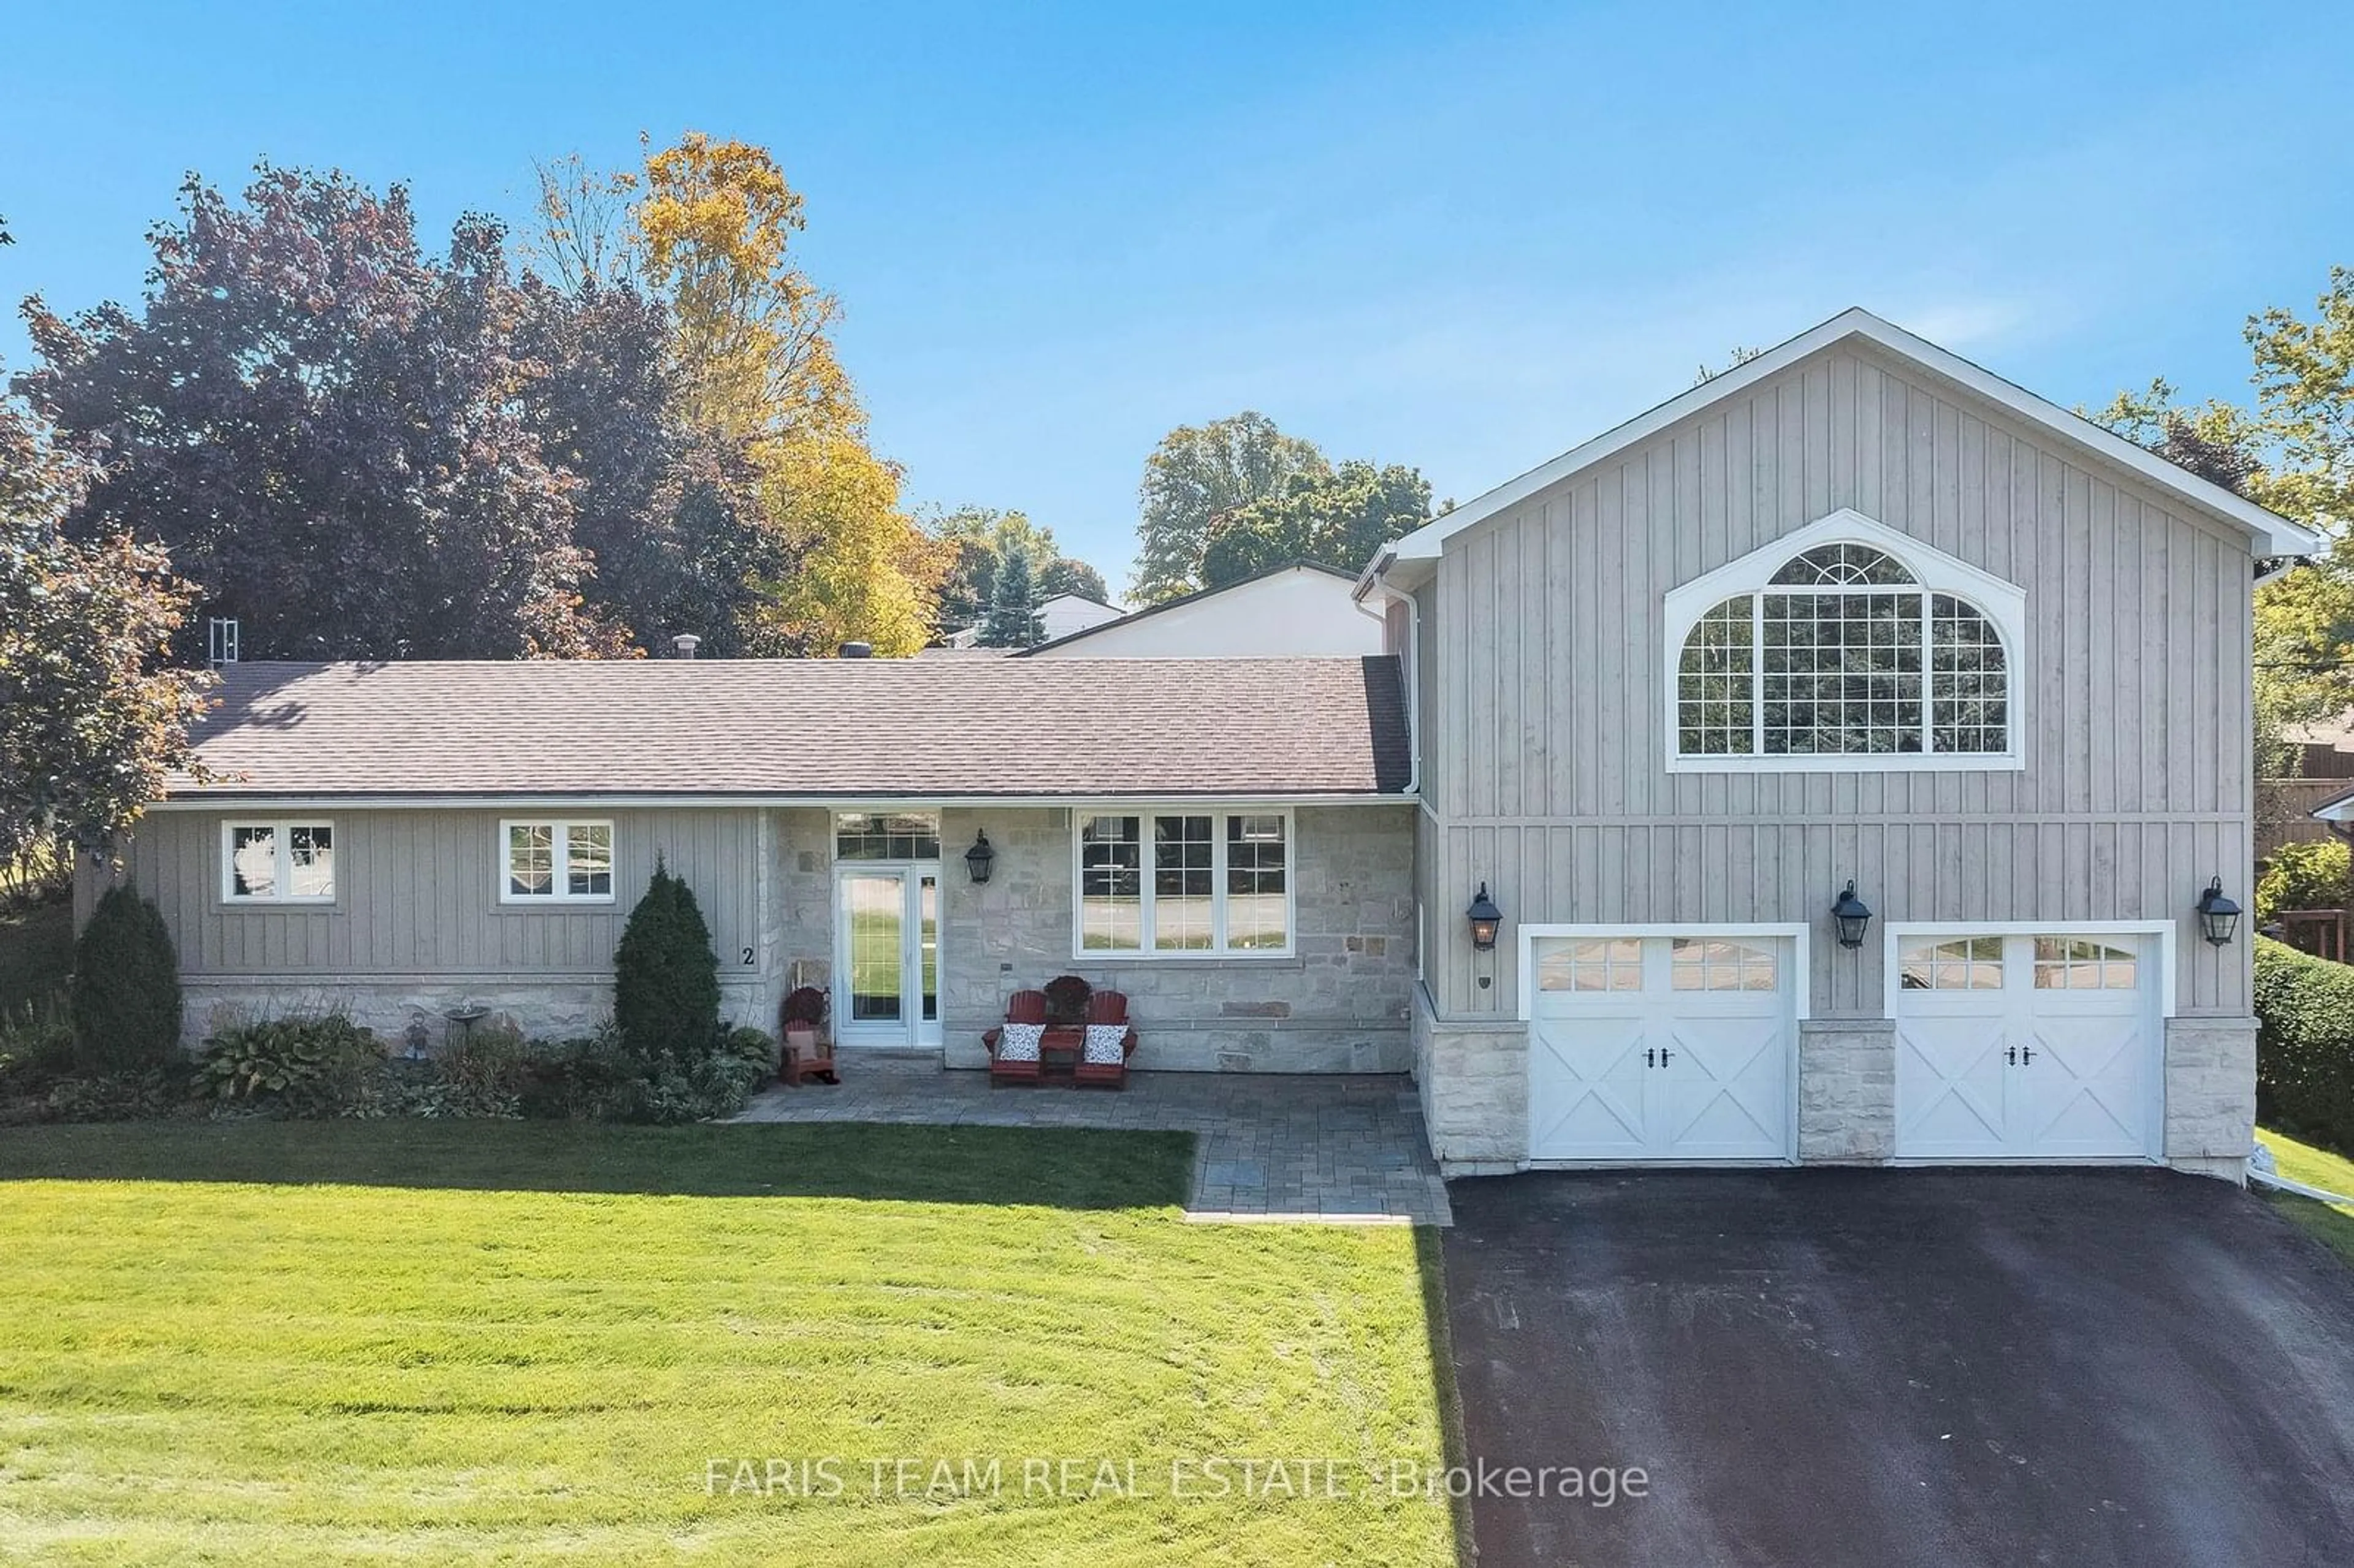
[
  {"x": 665, "y": 976},
  {"x": 126, "y": 987},
  {"x": 1014, "y": 616}
]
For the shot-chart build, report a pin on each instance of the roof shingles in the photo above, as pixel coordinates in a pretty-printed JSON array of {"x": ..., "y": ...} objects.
[{"x": 819, "y": 728}]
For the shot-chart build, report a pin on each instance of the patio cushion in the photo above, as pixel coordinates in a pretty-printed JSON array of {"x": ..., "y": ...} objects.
[
  {"x": 1106, "y": 1045},
  {"x": 1019, "y": 1041}
]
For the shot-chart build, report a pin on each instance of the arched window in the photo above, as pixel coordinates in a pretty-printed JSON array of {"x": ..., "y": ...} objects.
[{"x": 1844, "y": 650}]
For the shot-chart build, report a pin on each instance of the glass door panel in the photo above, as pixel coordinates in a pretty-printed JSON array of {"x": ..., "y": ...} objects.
[
  {"x": 928, "y": 942},
  {"x": 874, "y": 915}
]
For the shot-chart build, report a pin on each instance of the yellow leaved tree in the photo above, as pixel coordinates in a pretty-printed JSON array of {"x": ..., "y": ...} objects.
[{"x": 712, "y": 227}]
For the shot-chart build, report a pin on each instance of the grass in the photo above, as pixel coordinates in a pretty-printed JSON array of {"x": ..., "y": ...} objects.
[
  {"x": 2316, "y": 1167},
  {"x": 35, "y": 952},
  {"x": 524, "y": 1343}
]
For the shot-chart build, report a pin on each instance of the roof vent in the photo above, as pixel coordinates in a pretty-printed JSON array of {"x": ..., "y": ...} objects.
[
  {"x": 685, "y": 643},
  {"x": 857, "y": 651},
  {"x": 220, "y": 642}
]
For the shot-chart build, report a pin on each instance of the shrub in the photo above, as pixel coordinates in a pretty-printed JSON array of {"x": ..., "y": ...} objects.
[
  {"x": 665, "y": 976},
  {"x": 126, "y": 988},
  {"x": 36, "y": 1045},
  {"x": 479, "y": 1075},
  {"x": 119, "y": 1097},
  {"x": 803, "y": 1007},
  {"x": 2304, "y": 876},
  {"x": 2305, "y": 1046},
  {"x": 322, "y": 1065}
]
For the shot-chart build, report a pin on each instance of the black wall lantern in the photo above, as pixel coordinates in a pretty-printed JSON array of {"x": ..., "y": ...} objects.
[
  {"x": 1852, "y": 914},
  {"x": 980, "y": 858},
  {"x": 2218, "y": 915},
  {"x": 1485, "y": 918}
]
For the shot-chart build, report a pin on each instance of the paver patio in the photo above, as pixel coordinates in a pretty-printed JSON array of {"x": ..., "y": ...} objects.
[{"x": 1310, "y": 1149}]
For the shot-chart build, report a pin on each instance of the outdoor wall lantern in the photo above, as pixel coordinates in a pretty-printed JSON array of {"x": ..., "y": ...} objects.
[
  {"x": 1485, "y": 918},
  {"x": 1852, "y": 914},
  {"x": 2218, "y": 915},
  {"x": 980, "y": 858}
]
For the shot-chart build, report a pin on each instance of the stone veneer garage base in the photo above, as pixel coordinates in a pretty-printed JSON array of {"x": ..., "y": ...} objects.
[
  {"x": 1474, "y": 1078},
  {"x": 547, "y": 1009}
]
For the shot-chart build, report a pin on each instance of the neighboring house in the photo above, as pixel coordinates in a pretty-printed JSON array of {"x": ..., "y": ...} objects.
[
  {"x": 1068, "y": 614},
  {"x": 1856, "y": 611},
  {"x": 1298, "y": 610},
  {"x": 403, "y": 838}
]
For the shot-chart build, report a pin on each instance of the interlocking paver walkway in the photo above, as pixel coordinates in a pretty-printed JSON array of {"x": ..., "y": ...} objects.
[{"x": 1310, "y": 1148}]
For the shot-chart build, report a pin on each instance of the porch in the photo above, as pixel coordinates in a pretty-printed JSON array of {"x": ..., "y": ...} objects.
[{"x": 1303, "y": 1147}]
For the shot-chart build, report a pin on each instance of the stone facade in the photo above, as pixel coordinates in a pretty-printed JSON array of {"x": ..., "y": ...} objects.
[
  {"x": 1339, "y": 1004},
  {"x": 549, "y": 1009},
  {"x": 1847, "y": 1090},
  {"x": 1474, "y": 1079},
  {"x": 2211, "y": 1095}
]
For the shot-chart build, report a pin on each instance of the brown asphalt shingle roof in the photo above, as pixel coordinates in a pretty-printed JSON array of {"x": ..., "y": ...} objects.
[{"x": 818, "y": 727}]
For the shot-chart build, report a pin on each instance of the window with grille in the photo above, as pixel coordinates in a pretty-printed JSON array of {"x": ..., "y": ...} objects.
[{"x": 1181, "y": 882}]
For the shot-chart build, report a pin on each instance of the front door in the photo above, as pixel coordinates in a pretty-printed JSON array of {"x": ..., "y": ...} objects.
[{"x": 888, "y": 955}]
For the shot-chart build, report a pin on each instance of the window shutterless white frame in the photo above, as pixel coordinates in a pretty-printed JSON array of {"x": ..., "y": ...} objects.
[
  {"x": 282, "y": 832},
  {"x": 560, "y": 856},
  {"x": 1219, "y": 816},
  {"x": 2003, "y": 604}
]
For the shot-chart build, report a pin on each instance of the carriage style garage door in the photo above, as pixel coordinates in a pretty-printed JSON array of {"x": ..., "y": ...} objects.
[
  {"x": 1667, "y": 1048},
  {"x": 2027, "y": 1047}
]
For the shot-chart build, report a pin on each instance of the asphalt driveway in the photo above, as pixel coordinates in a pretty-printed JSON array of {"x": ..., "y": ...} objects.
[{"x": 1820, "y": 1368}]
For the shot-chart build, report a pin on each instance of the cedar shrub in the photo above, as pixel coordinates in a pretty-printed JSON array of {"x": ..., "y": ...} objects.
[
  {"x": 665, "y": 975},
  {"x": 125, "y": 997},
  {"x": 2304, "y": 1044}
]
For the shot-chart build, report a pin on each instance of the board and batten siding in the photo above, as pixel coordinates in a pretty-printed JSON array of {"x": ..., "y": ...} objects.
[
  {"x": 417, "y": 895},
  {"x": 1544, "y": 647}
]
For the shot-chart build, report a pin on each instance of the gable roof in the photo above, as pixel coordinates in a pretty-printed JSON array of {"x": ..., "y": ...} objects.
[
  {"x": 2272, "y": 533},
  {"x": 819, "y": 728},
  {"x": 1196, "y": 597}
]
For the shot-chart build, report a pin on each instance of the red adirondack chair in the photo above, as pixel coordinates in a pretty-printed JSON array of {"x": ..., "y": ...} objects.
[
  {"x": 1023, "y": 1007},
  {"x": 1107, "y": 1007}
]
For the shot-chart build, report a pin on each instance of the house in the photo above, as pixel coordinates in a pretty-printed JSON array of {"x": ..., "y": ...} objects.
[
  {"x": 1299, "y": 610},
  {"x": 1068, "y": 614},
  {"x": 406, "y": 840},
  {"x": 1827, "y": 766},
  {"x": 1856, "y": 622}
]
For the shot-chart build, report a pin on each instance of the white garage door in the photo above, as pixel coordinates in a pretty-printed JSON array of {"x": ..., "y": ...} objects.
[
  {"x": 1672, "y": 1048},
  {"x": 2024, "y": 1047}
]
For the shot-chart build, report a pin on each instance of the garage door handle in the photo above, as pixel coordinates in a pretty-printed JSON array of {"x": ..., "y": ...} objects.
[
  {"x": 2010, "y": 1054},
  {"x": 2027, "y": 1052},
  {"x": 1648, "y": 1054},
  {"x": 1664, "y": 1056}
]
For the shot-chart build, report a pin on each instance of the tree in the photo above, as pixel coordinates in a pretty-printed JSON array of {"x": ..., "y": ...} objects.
[
  {"x": 712, "y": 232},
  {"x": 977, "y": 540},
  {"x": 91, "y": 723},
  {"x": 1742, "y": 354},
  {"x": 1064, "y": 575},
  {"x": 1335, "y": 519},
  {"x": 1014, "y": 616},
  {"x": 326, "y": 429},
  {"x": 125, "y": 996},
  {"x": 668, "y": 512},
  {"x": 665, "y": 975},
  {"x": 1195, "y": 475}
]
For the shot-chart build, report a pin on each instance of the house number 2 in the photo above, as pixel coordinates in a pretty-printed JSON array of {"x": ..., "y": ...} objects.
[{"x": 747, "y": 958}]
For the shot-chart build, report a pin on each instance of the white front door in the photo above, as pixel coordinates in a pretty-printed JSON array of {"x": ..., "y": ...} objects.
[
  {"x": 886, "y": 954},
  {"x": 2027, "y": 1047},
  {"x": 1660, "y": 1048}
]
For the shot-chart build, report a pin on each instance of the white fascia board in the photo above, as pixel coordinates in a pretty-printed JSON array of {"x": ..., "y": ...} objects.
[
  {"x": 623, "y": 799},
  {"x": 2273, "y": 534}
]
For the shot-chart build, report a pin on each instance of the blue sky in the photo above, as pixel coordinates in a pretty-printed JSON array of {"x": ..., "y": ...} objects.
[{"x": 1463, "y": 237}]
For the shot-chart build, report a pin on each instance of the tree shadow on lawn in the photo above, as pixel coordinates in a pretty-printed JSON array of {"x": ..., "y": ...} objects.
[{"x": 1043, "y": 1167}]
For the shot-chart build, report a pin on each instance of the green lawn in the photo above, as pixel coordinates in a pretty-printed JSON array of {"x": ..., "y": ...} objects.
[
  {"x": 519, "y": 1343},
  {"x": 2316, "y": 1167}
]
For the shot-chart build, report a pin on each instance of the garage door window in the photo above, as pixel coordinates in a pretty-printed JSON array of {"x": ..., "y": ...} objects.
[
  {"x": 1705, "y": 964},
  {"x": 1611, "y": 964},
  {"x": 1968, "y": 963},
  {"x": 2063, "y": 963}
]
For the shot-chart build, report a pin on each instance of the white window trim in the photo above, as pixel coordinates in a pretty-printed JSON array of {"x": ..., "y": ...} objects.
[
  {"x": 1799, "y": 933},
  {"x": 1894, "y": 932},
  {"x": 282, "y": 840},
  {"x": 559, "y": 892},
  {"x": 1217, "y": 951},
  {"x": 2004, "y": 604}
]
